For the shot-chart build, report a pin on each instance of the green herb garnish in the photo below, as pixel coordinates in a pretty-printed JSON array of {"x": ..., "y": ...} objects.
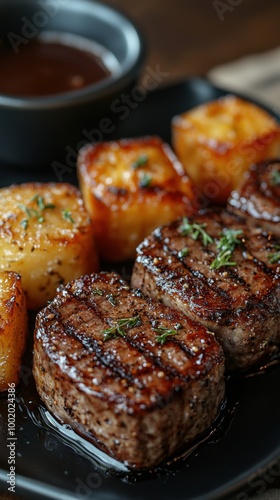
[
  {"x": 274, "y": 257},
  {"x": 35, "y": 213},
  {"x": 67, "y": 215},
  {"x": 97, "y": 291},
  {"x": 183, "y": 252},
  {"x": 112, "y": 299},
  {"x": 195, "y": 230},
  {"x": 140, "y": 162},
  {"x": 118, "y": 328},
  {"x": 24, "y": 223},
  {"x": 166, "y": 332},
  {"x": 226, "y": 245},
  {"x": 145, "y": 180},
  {"x": 30, "y": 212},
  {"x": 41, "y": 203},
  {"x": 275, "y": 178}
]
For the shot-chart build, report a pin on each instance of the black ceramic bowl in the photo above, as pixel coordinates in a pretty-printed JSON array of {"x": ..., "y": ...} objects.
[{"x": 47, "y": 131}]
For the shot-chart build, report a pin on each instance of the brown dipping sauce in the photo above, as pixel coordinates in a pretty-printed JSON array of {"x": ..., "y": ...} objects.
[{"x": 50, "y": 65}]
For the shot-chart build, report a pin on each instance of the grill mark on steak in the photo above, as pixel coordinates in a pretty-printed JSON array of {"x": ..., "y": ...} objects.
[
  {"x": 241, "y": 304},
  {"x": 223, "y": 294},
  {"x": 108, "y": 385},
  {"x": 197, "y": 274},
  {"x": 149, "y": 351},
  {"x": 103, "y": 357}
]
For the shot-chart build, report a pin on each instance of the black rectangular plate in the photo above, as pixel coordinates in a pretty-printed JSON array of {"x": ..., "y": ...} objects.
[{"x": 248, "y": 440}]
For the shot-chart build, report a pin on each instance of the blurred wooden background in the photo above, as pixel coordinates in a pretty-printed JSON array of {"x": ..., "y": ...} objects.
[{"x": 189, "y": 37}]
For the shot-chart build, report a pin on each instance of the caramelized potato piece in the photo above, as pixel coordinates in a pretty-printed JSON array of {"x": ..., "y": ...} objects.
[
  {"x": 46, "y": 236},
  {"x": 216, "y": 142},
  {"x": 130, "y": 187},
  {"x": 13, "y": 328}
]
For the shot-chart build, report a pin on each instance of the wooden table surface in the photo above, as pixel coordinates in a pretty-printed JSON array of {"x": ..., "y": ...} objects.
[{"x": 188, "y": 37}]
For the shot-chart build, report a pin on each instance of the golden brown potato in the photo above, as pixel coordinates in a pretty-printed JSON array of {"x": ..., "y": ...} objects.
[
  {"x": 13, "y": 328},
  {"x": 46, "y": 236},
  {"x": 216, "y": 142},
  {"x": 130, "y": 187}
]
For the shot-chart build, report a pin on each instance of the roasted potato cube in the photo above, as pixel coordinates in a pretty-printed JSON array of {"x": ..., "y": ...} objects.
[
  {"x": 216, "y": 142},
  {"x": 130, "y": 187},
  {"x": 13, "y": 328},
  {"x": 46, "y": 236}
]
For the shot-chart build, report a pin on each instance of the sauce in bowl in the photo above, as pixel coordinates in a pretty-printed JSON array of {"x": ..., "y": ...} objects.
[{"x": 54, "y": 63}]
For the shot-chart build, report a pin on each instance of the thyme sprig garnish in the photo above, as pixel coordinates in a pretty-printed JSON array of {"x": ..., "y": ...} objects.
[
  {"x": 182, "y": 253},
  {"x": 67, "y": 215},
  {"x": 41, "y": 202},
  {"x": 227, "y": 244},
  {"x": 120, "y": 327},
  {"x": 36, "y": 213},
  {"x": 97, "y": 291},
  {"x": 195, "y": 231},
  {"x": 24, "y": 223},
  {"x": 140, "y": 162},
  {"x": 145, "y": 180},
  {"x": 275, "y": 256},
  {"x": 275, "y": 178},
  {"x": 112, "y": 299},
  {"x": 166, "y": 332}
]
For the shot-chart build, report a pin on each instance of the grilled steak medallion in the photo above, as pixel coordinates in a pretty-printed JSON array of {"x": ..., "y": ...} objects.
[
  {"x": 221, "y": 273},
  {"x": 138, "y": 378},
  {"x": 259, "y": 195}
]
